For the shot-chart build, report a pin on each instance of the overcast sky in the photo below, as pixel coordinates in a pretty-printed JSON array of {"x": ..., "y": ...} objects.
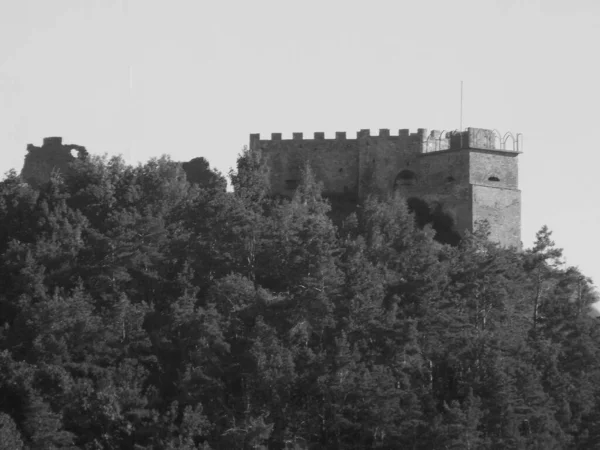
[{"x": 192, "y": 78}]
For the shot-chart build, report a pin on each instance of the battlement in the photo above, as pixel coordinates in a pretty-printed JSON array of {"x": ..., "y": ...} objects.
[
  {"x": 384, "y": 133},
  {"x": 317, "y": 136},
  {"x": 339, "y": 135},
  {"x": 426, "y": 142}
]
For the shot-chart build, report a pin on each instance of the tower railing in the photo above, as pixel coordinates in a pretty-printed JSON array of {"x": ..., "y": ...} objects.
[{"x": 473, "y": 138}]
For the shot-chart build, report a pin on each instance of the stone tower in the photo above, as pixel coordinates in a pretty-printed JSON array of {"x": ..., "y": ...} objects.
[{"x": 471, "y": 175}]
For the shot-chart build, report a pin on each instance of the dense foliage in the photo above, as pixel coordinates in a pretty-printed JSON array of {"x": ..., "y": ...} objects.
[{"x": 139, "y": 311}]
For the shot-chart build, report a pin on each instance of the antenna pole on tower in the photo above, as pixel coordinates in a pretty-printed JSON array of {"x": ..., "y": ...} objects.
[
  {"x": 461, "y": 104},
  {"x": 130, "y": 99}
]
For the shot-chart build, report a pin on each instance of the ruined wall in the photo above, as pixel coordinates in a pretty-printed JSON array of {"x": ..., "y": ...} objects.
[
  {"x": 334, "y": 162},
  {"x": 52, "y": 155}
]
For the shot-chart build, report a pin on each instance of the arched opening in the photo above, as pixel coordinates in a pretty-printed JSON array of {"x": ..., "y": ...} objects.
[
  {"x": 497, "y": 141},
  {"x": 405, "y": 178},
  {"x": 509, "y": 142},
  {"x": 493, "y": 178}
]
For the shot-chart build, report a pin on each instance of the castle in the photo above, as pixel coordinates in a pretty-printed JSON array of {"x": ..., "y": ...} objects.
[{"x": 471, "y": 175}]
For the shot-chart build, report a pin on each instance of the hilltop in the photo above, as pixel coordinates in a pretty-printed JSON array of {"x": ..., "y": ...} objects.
[{"x": 144, "y": 311}]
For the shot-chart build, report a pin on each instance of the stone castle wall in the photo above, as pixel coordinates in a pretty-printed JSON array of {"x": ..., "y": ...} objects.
[
  {"x": 334, "y": 161},
  {"x": 444, "y": 181},
  {"x": 494, "y": 169},
  {"x": 470, "y": 175},
  {"x": 501, "y": 207},
  {"x": 383, "y": 157}
]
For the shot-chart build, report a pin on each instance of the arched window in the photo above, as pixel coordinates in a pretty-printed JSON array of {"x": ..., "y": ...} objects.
[
  {"x": 405, "y": 178},
  {"x": 493, "y": 178}
]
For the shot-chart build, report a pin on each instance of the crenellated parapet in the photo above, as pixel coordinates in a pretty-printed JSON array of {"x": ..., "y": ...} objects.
[
  {"x": 384, "y": 133},
  {"x": 422, "y": 140},
  {"x": 277, "y": 137}
]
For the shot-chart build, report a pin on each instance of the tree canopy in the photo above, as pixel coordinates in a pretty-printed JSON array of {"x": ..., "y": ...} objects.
[{"x": 145, "y": 307}]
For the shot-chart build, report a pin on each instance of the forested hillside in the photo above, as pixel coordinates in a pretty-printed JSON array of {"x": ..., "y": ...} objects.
[{"x": 139, "y": 311}]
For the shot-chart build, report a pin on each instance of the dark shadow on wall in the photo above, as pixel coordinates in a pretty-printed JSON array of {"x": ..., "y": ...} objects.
[
  {"x": 441, "y": 222},
  {"x": 342, "y": 205},
  {"x": 405, "y": 178}
]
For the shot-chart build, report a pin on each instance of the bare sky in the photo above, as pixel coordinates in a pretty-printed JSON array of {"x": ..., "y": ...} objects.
[{"x": 194, "y": 78}]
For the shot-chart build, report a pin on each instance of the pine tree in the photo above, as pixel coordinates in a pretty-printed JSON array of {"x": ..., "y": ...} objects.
[{"x": 541, "y": 260}]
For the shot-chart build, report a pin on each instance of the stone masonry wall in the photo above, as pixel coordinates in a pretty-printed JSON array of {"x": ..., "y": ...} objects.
[
  {"x": 383, "y": 157},
  {"x": 489, "y": 164},
  {"x": 334, "y": 162},
  {"x": 466, "y": 173},
  {"x": 444, "y": 180},
  {"x": 502, "y": 209}
]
